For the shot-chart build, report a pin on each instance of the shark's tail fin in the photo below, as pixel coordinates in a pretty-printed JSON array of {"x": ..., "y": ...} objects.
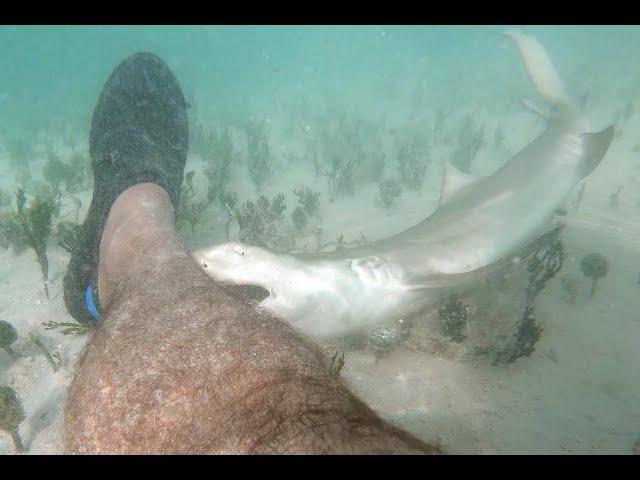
[
  {"x": 540, "y": 69},
  {"x": 548, "y": 83}
]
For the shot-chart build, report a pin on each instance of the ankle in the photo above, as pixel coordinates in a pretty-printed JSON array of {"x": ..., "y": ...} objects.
[{"x": 139, "y": 237}]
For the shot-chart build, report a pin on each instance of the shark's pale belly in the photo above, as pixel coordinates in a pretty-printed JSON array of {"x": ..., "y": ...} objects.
[{"x": 334, "y": 298}]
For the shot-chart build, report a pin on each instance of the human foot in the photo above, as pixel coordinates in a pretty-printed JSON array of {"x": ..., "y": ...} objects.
[{"x": 139, "y": 134}]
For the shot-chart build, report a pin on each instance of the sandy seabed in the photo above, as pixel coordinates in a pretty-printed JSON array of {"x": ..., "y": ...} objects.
[{"x": 579, "y": 392}]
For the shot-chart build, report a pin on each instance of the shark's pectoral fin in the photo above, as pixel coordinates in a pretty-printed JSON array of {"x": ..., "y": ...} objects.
[
  {"x": 595, "y": 145},
  {"x": 454, "y": 180},
  {"x": 372, "y": 269}
]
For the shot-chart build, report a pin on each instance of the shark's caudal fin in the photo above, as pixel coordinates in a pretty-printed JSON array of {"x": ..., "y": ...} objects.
[
  {"x": 540, "y": 68},
  {"x": 595, "y": 145},
  {"x": 550, "y": 86}
]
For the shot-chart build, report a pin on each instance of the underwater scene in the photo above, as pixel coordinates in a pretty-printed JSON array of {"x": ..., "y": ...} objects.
[{"x": 450, "y": 213}]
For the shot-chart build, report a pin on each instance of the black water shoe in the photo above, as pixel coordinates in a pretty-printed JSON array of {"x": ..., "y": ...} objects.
[{"x": 139, "y": 134}]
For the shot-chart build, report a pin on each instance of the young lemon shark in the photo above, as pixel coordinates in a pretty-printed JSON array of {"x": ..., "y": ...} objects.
[{"x": 479, "y": 226}]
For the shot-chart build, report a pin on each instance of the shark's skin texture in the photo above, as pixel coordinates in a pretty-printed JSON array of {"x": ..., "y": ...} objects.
[
  {"x": 478, "y": 226},
  {"x": 321, "y": 297}
]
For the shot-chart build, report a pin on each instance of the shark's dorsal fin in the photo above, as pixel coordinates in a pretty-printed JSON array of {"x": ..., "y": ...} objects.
[
  {"x": 539, "y": 67},
  {"x": 454, "y": 180},
  {"x": 595, "y": 145}
]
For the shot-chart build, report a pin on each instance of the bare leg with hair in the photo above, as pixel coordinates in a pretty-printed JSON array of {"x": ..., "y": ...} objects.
[
  {"x": 179, "y": 366},
  {"x": 176, "y": 364}
]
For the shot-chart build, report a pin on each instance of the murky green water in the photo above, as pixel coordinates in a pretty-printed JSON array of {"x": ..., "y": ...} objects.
[{"x": 364, "y": 117}]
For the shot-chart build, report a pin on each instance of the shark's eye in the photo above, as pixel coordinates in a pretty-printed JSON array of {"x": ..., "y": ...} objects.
[{"x": 242, "y": 253}]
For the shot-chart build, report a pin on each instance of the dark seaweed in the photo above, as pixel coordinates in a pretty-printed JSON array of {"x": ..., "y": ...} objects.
[
  {"x": 454, "y": 315},
  {"x": 337, "y": 364},
  {"x": 299, "y": 218},
  {"x": 35, "y": 222},
  {"x": 218, "y": 154},
  {"x": 11, "y": 415},
  {"x": 349, "y": 160},
  {"x": 68, "y": 328},
  {"x": 188, "y": 209},
  {"x": 8, "y": 335},
  {"x": 308, "y": 200},
  {"x": 542, "y": 266},
  {"x": 68, "y": 234},
  {"x": 594, "y": 266},
  {"x": 470, "y": 140},
  {"x": 11, "y": 233},
  {"x": 56, "y": 172},
  {"x": 412, "y": 165},
  {"x": 260, "y": 169},
  {"x": 262, "y": 223},
  {"x": 45, "y": 351},
  {"x": 388, "y": 191}
]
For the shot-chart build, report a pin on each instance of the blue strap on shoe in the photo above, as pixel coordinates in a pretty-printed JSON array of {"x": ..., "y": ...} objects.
[{"x": 91, "y": 305}]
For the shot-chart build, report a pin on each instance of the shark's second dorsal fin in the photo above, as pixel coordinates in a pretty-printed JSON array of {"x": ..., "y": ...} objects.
[
  {"x": 454, "y": 180},
  {"x": 539, "y": 67},
  {"x": 595, "y": 145},
  {"x": 532, "y": 107}
]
